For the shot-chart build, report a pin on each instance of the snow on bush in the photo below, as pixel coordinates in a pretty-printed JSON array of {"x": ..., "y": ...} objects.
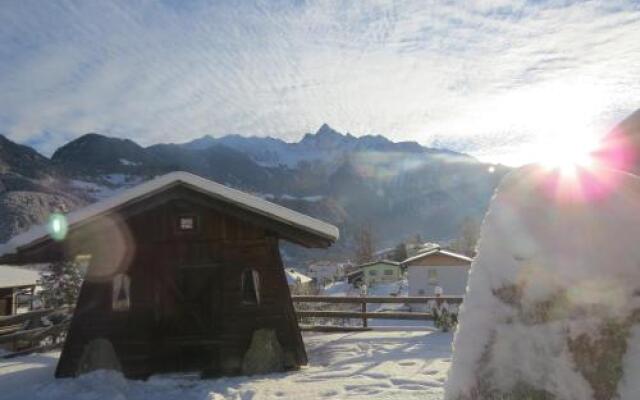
[
  {"x": 60, "y": 284},
  {"x": 553, "y": 301}
]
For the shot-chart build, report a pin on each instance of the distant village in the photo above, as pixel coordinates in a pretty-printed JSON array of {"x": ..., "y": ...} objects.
[{"x": 413, "y": 268}]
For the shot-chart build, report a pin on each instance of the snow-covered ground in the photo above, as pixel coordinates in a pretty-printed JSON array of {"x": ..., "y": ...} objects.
[
  {"x": 371, "y": 365},
  {"x": 342, "y": 288}
]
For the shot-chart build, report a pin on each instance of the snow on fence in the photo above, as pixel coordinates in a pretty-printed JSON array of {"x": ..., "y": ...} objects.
[
  {"x": 363, "y": 314},
  {"x": 38, "y": 330}
]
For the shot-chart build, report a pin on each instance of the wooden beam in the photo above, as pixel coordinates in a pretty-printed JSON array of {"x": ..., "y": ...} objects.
[
  {"x": 34, "y": 334},
  {"x": 332, "y": 328},
  {"x": 19, "y": 318}
]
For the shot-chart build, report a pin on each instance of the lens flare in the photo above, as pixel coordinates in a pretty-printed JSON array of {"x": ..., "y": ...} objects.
[
  {"x": 568, "y": 155},
  {"x": 577, "y": 170},
  {"x": 57, "y": 226}
]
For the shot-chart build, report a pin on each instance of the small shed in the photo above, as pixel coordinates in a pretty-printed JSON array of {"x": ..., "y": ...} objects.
[
  {"x": 437, "y": 268},
  {"x": 297, "y": 281},
  {"x": 381, "y": 271},
  {"x": 15, "y": 282},
  {"x": 183, "y": 273}
]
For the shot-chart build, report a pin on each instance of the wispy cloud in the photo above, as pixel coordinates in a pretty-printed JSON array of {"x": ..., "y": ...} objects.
[{"x": 484, "y": 76}]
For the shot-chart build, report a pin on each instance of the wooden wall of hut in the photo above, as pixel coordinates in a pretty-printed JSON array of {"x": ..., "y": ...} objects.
[{"x": 186, "y": 307}]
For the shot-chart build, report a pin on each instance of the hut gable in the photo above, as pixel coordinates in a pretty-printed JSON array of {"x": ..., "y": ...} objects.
[
  {"x": 182, "y": 273},
  {"x": 289, "y": 224}
]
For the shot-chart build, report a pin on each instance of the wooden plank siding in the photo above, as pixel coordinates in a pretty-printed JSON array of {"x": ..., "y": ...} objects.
[{"x": 165, "y": 329}]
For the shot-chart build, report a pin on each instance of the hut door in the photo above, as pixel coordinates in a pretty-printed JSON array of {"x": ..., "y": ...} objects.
[
  {"x": 197, "y": 292},
  {"x": 188, "y": 325}
]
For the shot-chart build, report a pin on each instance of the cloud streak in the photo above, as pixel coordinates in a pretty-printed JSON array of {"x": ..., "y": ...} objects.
[{"x": 471, "y": 75}]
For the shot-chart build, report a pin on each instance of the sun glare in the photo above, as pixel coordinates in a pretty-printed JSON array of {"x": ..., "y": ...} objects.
[
  {"x": 567, "y": 157},
  {"x": 568, "y": 153}
]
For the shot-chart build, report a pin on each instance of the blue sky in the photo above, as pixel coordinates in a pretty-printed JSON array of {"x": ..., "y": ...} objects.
[{"x": 498, "y": 79}]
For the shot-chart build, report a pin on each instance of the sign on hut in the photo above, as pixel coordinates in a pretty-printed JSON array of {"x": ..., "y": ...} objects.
[{"x": 185, "y": 275}]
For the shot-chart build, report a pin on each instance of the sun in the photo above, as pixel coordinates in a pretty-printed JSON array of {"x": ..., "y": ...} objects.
[
  {"x": 567, "y": 157},
  {"x": 567, "y": 153}
]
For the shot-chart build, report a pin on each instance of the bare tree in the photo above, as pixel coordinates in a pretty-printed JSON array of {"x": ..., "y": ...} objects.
[
  {"x": 469, "y": 234},
  {"x": 364, "y": 244}
]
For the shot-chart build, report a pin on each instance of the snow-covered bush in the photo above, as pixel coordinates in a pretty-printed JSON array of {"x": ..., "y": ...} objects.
[
  {"x": 553, "y": 302},
  {"x": 60, "y": 284},
  {"x": 445, "y": 315}
]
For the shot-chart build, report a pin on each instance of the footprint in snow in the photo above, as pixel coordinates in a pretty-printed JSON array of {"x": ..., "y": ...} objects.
[
  {"x": 407, "y": 363},
  {"x": 329, "y": 393},
  {"x": 430, "y": 372}
]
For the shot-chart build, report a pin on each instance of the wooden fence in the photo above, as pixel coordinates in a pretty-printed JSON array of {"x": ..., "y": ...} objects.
[
  {"x": 25, "y": 333},
  {"x": 362, "y": 313}
]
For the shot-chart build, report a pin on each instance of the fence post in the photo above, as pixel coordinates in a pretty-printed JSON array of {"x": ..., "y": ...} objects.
[
  {"x": 363, "y": 294},
  {"x": 364, "y": 315}
]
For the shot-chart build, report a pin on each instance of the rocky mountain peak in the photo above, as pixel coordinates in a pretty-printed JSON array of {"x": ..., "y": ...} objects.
[
  {"x": 20, "y": 159},
  {"x": 97, "y": 153},
  {"x": 326, "y": 130}
]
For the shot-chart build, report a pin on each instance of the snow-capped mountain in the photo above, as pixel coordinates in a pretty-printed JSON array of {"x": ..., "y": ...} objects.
[
  {"x": 401, "y": 189},
  {"x": 326, "y": 144}
]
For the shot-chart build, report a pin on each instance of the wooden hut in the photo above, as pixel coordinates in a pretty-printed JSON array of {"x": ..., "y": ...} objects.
[{"x": 182, "y": 272}]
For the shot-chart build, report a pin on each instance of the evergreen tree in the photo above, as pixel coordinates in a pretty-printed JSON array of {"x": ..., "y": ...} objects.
[{"x": 400, "y": 252}]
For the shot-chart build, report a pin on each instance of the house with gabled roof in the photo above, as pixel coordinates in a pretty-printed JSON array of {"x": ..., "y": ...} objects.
[
  {"x": 437, "y": 268},
  {"x": 380, "y": 271}
]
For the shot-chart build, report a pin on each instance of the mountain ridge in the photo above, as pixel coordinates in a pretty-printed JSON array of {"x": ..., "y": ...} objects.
[
  {"x": 401, "y": 189},
  {"x": 326, "y": 142}
]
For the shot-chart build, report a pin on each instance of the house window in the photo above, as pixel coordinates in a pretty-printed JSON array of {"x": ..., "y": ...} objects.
[
  {"x": 388, "y": 272},
  {"x": 250, "y": 286},
  {"x": 121, "y": 293},
  {"x": 421, "y": 292},
  {"x": 373, "y": 272},
  {"x": 432, "y": 276},
  {"x": 187, "y": 223}
]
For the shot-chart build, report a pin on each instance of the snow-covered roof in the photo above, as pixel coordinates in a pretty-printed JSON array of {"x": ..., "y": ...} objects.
[
  {"x": 438, "y": 251},
  {"x": 17, "y": 277},
  {"x": 387, "y": 262},
  {"x": 205, "y": 186},
  {"x": 294, "y": 277}
]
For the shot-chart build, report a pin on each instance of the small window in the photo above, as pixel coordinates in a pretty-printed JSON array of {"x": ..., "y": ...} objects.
[
  {"x": 250, "y": 286},
  {"x": 373, "y": 272},
  {"x": 388, "y": 272},
  {"x": 121, "y": 291},
  {"x": 421, "y": 292},
  {"x": 432, "y": 276},
  {"x": 187, "y": 223}
]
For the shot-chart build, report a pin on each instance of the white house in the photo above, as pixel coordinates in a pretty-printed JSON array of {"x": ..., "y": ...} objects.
[{"x": 437, "y": 268}]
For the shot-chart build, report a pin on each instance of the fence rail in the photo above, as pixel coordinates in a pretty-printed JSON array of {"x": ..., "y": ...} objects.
[
  {"x": 25, "y": 333},
  {"x": 365, "y": 315}
]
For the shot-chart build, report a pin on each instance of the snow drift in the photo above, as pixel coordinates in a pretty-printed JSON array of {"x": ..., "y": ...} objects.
[{"x": 551, "y": 310}]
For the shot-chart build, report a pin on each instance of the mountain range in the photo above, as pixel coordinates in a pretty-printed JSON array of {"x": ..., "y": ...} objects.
[{"x": 399, "y": 189}]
